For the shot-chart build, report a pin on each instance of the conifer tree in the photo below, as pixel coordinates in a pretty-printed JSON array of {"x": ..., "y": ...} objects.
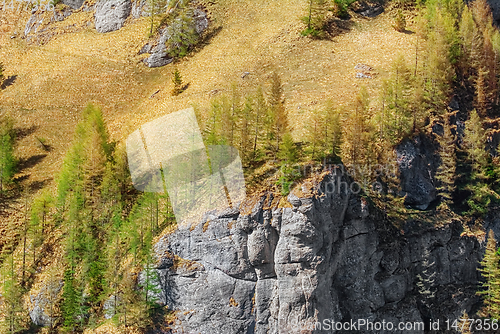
[
  {"x": 247, "y": 117},
  {"x": 316, "y": 134},
  {"x": 260, "y": 111},
  {"x": 25, "y": 234},
  {"x": 333, "y": 130},
  {"x": 446, "y": 171},
  {"x": 211, "y": 132},
  {"x": 468, "y": 33},
  {"x": 358, "y": 143},
  {"x": 395, "y": 118},
  {"x": 465, "y": 323},
  {"x": 181, "y": 29},
  {"x": 482, "y": 13},
  {"x": 12, "y": 297},
  {"x": 7, "y": 160},
  {"x": 153, "y": 9},
  {"x": 227, "y": 121},
  {"x": 87, "y": 155},
  {"x": 490, "y": 269},
  {"x": 316, "y": 18},
  {"x": 70, "y": 301},
  {"x": 474, "y": 142},
  {"x": 278, "y": 114},
  {"x": 177, "y": 81},
  {"x": 233, "y": 114},
  {"x": 487, "y": 81},
  {"x": 426, "y": 282},
  {"x": 51, "y": 293},
  {"x": 288, "y": 157},
  {"x": 2, "y": 75},
  {"x": 442, "y": 44}
]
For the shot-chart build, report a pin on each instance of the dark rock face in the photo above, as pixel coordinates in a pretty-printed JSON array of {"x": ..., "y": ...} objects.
[
  {"x": 495, "y": 9},
  {"x": 110, "y": 15},
  {"x": 331, "y": 257},
  {"x": 417, "y": 165}
]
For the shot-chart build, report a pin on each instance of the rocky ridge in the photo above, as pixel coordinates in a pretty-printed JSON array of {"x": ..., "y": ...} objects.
[{"x": 330, "y": 256}]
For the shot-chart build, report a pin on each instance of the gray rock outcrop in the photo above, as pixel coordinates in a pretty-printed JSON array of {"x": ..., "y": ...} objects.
[
  {"x": 75, "y": 4},
  {"x": 43, "y": 310},
  {"x": 110, "y": 15},
  {"x": 329, "y": 257},
  {"x": 158, "y": 49},
  {"x": 417, "y": 165}
]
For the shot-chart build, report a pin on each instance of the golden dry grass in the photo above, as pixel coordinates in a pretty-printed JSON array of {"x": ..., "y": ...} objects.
[{"x": 56, "y": 80}]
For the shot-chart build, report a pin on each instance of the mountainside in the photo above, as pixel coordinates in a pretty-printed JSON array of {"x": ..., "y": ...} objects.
[{"x": 366, "y": 135}]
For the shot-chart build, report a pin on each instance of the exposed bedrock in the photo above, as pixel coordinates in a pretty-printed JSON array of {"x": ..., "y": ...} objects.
[{"x": 330, "y": 257}]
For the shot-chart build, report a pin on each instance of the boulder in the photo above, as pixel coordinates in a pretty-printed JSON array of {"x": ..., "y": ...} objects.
[{"x": 110, "y": 15}]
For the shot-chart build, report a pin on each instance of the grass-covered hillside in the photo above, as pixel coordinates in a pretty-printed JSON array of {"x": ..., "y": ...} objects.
[{"x": 288, "y": 83}]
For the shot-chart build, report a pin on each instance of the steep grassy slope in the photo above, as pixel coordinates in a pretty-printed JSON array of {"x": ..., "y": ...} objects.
[{"x": 53, "y": 82}]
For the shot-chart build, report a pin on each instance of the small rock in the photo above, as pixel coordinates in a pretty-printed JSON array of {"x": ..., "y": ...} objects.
[
  {"x": 360, "y": 75},
  {"x": 363, "y": 67},
  {"x": 373, "y": 11}
]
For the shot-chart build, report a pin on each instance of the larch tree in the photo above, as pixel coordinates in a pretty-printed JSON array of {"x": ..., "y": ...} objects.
[
  {"x": 395, "y": 120},
  {"x": 14, "y": 314},
  {"x": 260, "y": 111},
  {"x": 426, "y": 282},
  {"x": 278, "y": 114},
  {"x": 316, "y": 17},
  {"x": 446, "y": 172},
  {"x": 247, "y": 117},
  {"x": 181, "y": 29},
  {"x": 490, "y": 269},
  {"x": 357, "y": 146},
  {"x": 333, "y": 130},
  {"x": 438, "y": 70},
  {"x": 474, "y": 142},
  {"x": 465, "y": 323},
  {"x": 316, "y": 134},
  {"x": 288, "y": 157},
  {"x": 8, "y": 161},
  {"x": 154, "y": 8}
]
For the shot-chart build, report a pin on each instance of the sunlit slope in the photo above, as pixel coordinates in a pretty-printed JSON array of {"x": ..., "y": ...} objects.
[{"x": 54, "y": 81}]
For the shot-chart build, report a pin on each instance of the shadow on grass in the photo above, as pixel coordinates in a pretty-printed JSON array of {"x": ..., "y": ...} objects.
[
  {"x": 30, "y": 162},
  {"x": 25, "y": 132},
  {"x": 9, "y": 81},
  {"x": 206, "y": 38}
]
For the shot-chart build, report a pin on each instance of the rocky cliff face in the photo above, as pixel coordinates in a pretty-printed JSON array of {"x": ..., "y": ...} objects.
[
  {"x": 331, "y": 256},
  {"x": 417, "y": 165}
]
